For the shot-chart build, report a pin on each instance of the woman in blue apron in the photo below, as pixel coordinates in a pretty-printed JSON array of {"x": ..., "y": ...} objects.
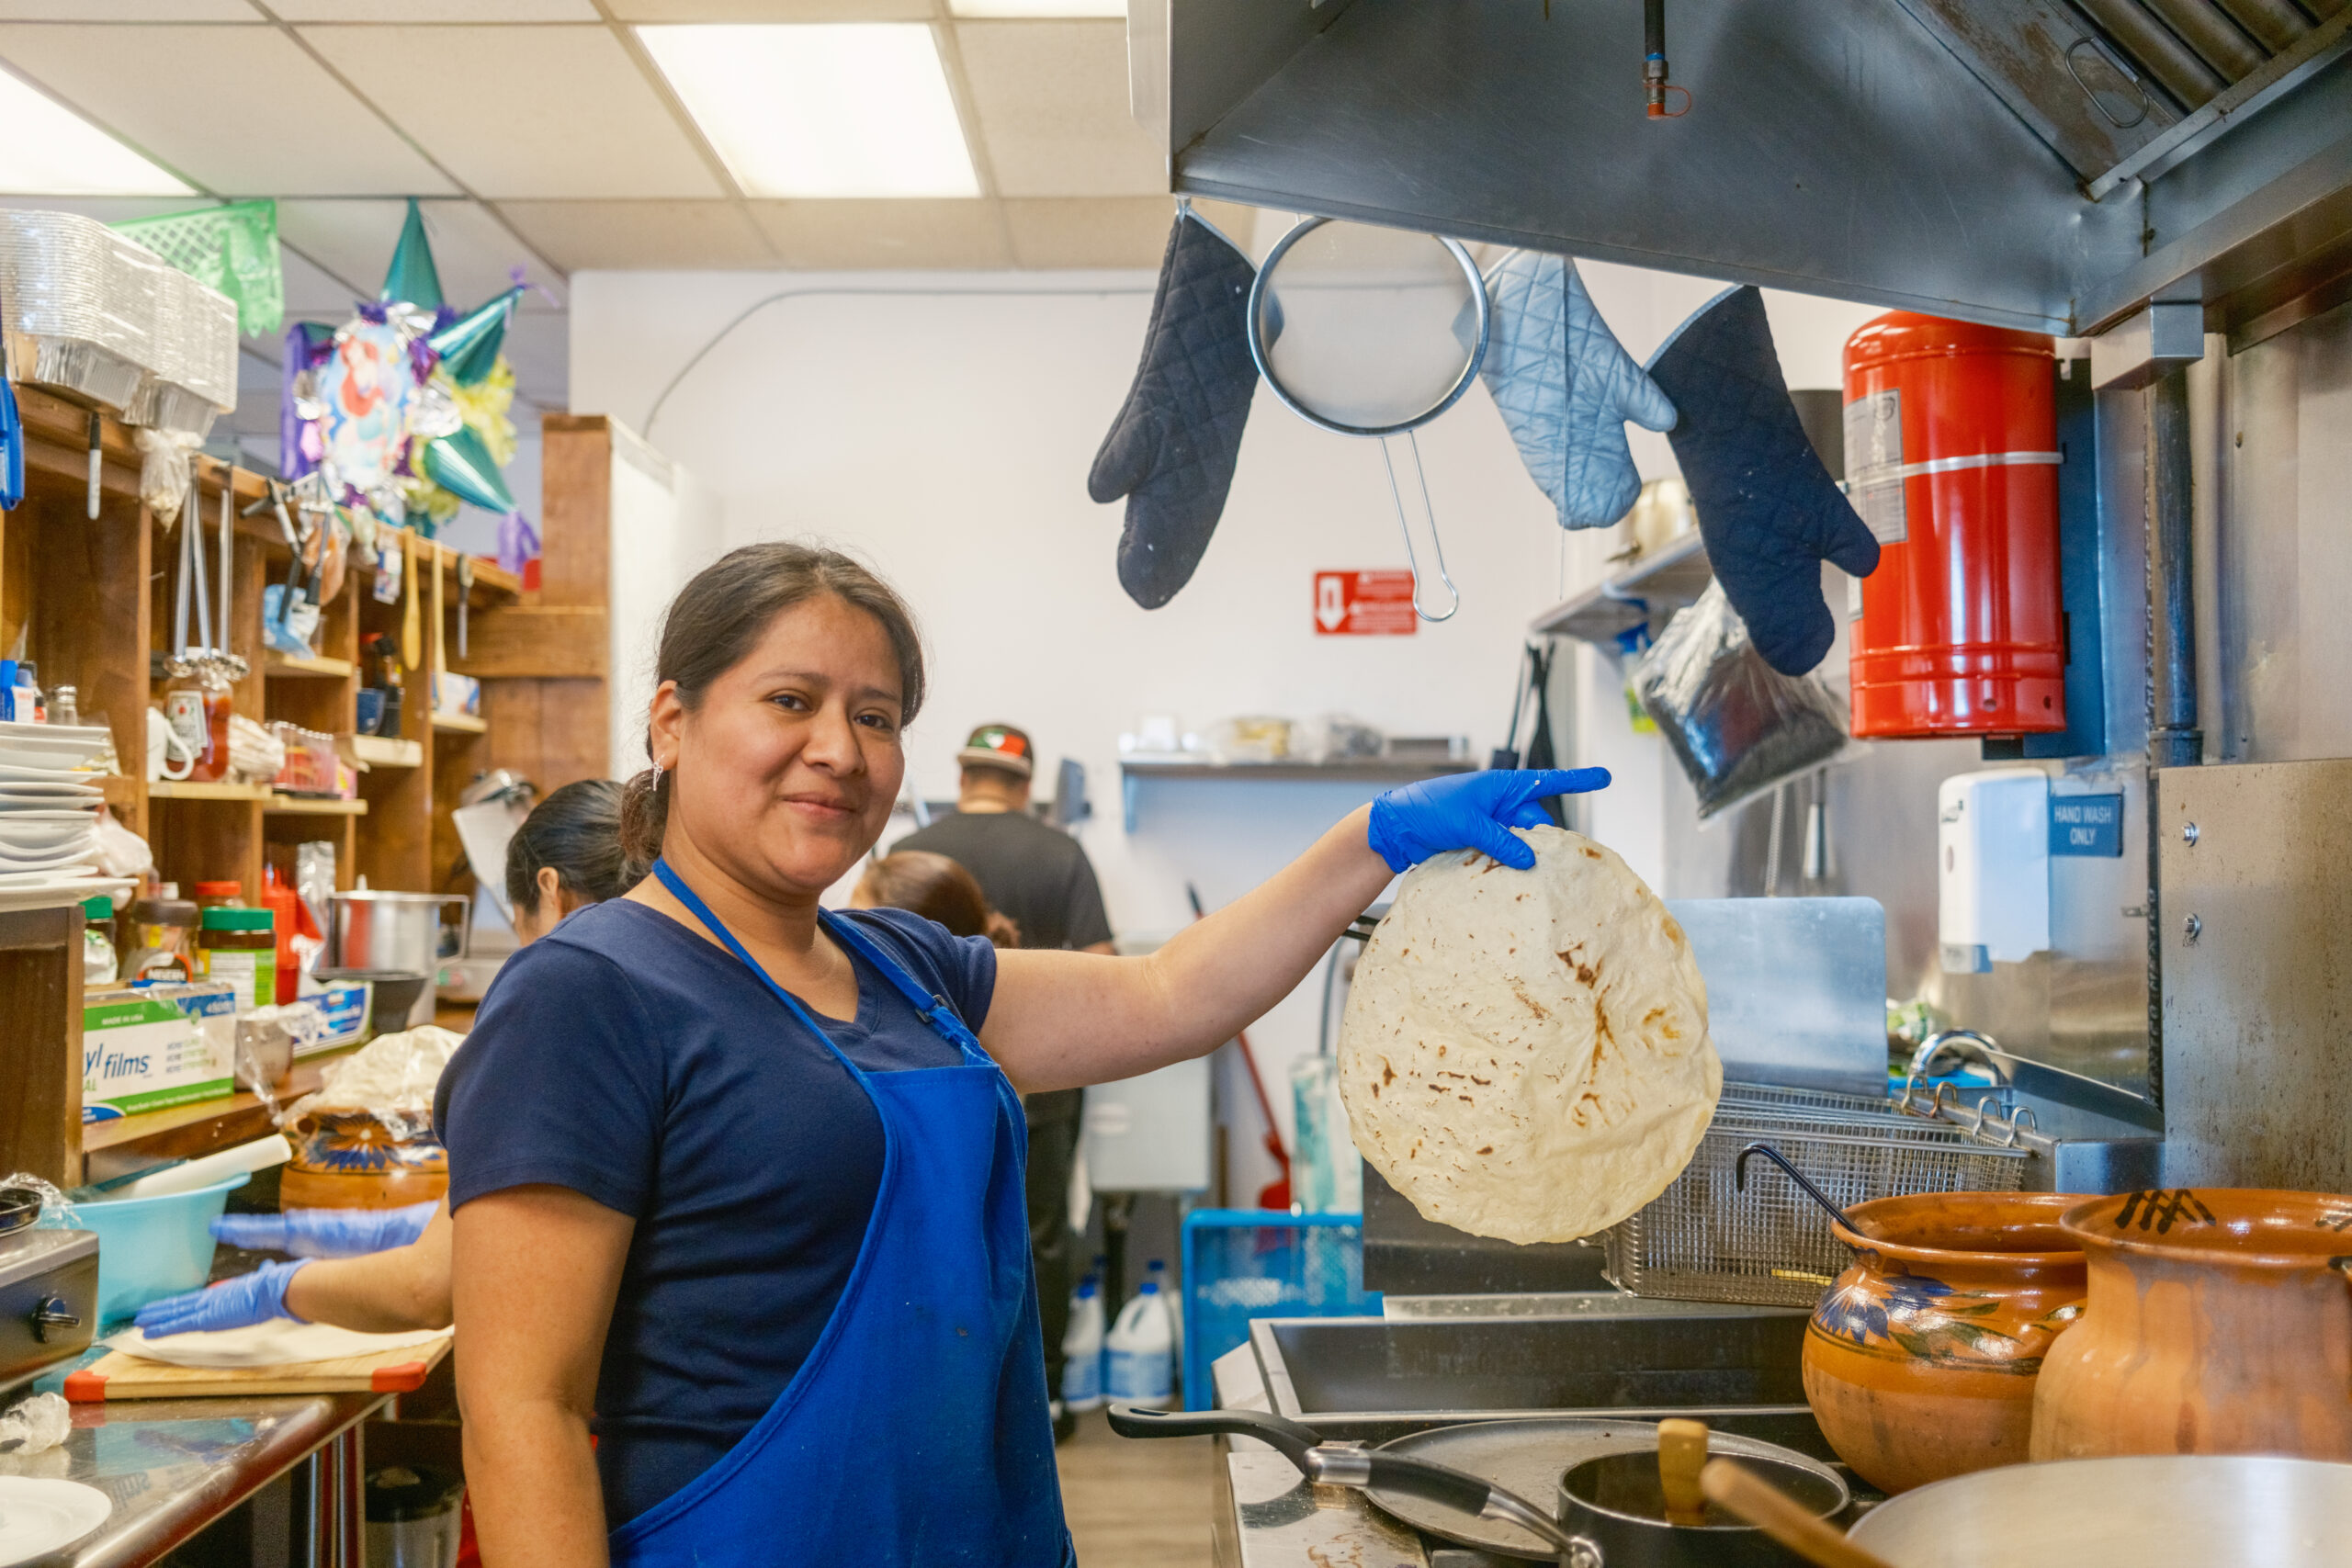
[{"x": 742, "y": 1251}]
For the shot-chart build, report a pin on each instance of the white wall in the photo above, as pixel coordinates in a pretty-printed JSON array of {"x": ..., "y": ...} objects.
[{"x": 947, "y": 439}]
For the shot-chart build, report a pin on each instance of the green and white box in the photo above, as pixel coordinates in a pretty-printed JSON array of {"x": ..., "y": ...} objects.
[{"x": 147, "y": 1047}]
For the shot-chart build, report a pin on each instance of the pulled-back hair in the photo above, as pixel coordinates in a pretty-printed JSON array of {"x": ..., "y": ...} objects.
[
  {"x": 577, "y": 832},
  {"x": 713, "y": 625},
  {"x": 941, "y": 890}
]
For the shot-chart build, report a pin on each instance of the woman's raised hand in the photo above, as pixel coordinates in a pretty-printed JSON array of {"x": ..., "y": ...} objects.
[{"x": 1471, "y": 811}]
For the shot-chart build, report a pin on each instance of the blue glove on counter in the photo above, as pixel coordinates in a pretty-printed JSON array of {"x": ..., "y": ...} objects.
[
  {"x": 233, "y": 1304},
  {"x": 1471, "y": 811},
  {"x": 325, "y": 1233}
]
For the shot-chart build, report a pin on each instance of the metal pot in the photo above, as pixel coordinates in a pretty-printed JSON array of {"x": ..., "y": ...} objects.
[
  {"x": 396, "y": 931},
  {"x": 2246, "y": 1511},
  {"x": 1615, "y": 1501}
]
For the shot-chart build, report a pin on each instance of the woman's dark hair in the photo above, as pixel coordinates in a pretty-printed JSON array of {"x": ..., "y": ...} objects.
[
  {"x": 712, "y": 623},
  {"x": 940, "y": 890},
  {"x": 577, "y": 831}
]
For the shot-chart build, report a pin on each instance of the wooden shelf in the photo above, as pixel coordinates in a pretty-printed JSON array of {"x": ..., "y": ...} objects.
[
  {"x": 1361, "y": 769},
  {"x": 274, "y": 663},
  {"x": 183, "y": 789},
  {"x": 381, "y": 750},
  {"x": 1645, "y": 592},
  {"x": 459, "y": 723},
  {"x": 312, "y": 806}
]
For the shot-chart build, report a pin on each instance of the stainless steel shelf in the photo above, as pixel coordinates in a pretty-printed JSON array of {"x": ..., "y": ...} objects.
[
  {"x": 1362, "y": 770},
  {"x": 1647, "y": 590}
]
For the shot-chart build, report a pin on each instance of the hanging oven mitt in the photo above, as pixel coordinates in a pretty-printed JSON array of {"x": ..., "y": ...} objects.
[
  {"x": 1173, "y": 449},
  {"x": 1566, "y": 389},
  {"x": 1767, "y": 509}
]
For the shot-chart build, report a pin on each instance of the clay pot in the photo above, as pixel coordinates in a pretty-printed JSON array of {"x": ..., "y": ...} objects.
[
  {"x": 348, "y": 1159},
  {"x": 2218, "y": 1323},
  {"x": 1919, "y": 1361}
]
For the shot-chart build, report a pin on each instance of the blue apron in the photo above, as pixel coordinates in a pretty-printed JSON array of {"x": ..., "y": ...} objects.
[{"x": 916, "y": 1432}]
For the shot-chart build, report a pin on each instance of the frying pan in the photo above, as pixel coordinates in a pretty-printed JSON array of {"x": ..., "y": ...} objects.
[
  {"x": 1601, "y": 1523},
  {"x": 19, "y": 1208}
]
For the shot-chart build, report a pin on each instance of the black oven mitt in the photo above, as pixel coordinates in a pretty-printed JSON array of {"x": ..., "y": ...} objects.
[
  {"x": 1173, "y": 449},
  {"x": 1767, "y": 509}
]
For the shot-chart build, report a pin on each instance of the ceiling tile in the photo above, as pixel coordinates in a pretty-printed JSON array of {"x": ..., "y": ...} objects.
[
  {"x": 185, "y": 95},
  {"x": 1051, "y": 98},
  {"x": 850, "y": 234},
  {"x": 772, "y": 10},
  {"x": 435, "y": 10},
  {"x": 314, "y": 294},
  {"x": 641, "y": 235},
  {"x": 128, "y": 11},
  {"x": 519, "y": 112},
  {"x": 473, "y": 252},
  {"x": 1104, "y": 232}
]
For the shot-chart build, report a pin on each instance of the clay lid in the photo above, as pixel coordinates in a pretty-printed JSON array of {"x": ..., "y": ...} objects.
[{"x": 2231, "y": 1226}]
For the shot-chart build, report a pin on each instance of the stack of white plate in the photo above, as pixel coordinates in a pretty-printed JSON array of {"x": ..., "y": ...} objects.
[{"x": 49, "y": 814}]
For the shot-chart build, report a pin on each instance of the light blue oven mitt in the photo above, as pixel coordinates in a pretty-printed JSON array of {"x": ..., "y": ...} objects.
[{"x": 1566, "y": 389}]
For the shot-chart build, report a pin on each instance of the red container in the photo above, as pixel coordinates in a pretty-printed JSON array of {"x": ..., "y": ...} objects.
[{"x": 1952, "y": 456}]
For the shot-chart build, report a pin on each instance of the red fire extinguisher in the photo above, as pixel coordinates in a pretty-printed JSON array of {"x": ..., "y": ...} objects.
[{"x": 1952, "y": 458}]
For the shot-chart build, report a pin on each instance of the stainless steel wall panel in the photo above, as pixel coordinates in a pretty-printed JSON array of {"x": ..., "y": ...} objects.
[{"x": 2257, "y": 973}]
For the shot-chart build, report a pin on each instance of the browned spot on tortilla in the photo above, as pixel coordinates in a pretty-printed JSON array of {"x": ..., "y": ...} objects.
[
  {"x": 1443, "y": 1073},
  {"x": 1488, "y": 1150},
  {"x": 1538, "y": 1008},
  {"x": 1466, "y": 1099},
  {"x": 1387, "y": 1072},
  {"x": 1441, "y": 1050},
  {"x": 1482, "y": 1083},
  {"x": 1591, "y": 854}
]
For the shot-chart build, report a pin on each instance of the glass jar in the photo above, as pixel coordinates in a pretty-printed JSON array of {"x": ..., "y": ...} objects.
[
  {"x": 99, "y": 967},
  {"x": 163, "y": 938},
  {"x": 222, "y": 894},
  {"x": 196, "y": 704},
  {"x": 240, "y": 947}
]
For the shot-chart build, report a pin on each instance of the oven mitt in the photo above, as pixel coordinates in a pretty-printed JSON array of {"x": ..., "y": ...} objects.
[
  {"x": 1767, "y": 509},
  {"x": 1173, "y": 449},
  {"x": 1566, "y": 389}
]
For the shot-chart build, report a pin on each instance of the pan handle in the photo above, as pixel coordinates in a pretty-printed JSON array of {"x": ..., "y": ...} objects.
[
  {"x": 1292, "y": 1439},
  {"x": 1442, "y": 1484}
]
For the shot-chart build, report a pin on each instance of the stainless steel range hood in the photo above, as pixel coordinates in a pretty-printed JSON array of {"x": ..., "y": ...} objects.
[{"x": 2017, "y": 161}]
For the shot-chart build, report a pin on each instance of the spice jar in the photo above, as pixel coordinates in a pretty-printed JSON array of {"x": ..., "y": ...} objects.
[
  {"x": 222, "y": 894},
  {"x": 240, "y": 947},
  {"x": 163, "y": 938},
  {"x": 198, "y": 702},
  {"x": 99, "y": 967}
]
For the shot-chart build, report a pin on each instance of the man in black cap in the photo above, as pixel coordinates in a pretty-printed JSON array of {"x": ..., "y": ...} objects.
[{"x": 1040, "y": 877}]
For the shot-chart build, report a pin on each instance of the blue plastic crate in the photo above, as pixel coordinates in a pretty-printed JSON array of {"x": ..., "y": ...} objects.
[{"x": 1242, "y": 1264}]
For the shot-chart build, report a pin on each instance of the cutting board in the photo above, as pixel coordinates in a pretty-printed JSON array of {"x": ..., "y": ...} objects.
[{"x": 118, "y": 1376}]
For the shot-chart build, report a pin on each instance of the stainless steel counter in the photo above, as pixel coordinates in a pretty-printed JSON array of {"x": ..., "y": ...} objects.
[
  {"x": 1279, "y": 1520},
  {"x": 174, "y": 1466}
]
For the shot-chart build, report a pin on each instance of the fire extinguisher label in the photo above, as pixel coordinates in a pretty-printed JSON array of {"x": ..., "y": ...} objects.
[{"x": 1874, "y": 477}]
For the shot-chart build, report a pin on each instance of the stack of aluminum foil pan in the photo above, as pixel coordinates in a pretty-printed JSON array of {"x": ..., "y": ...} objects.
[{"x": 91, "y": 314}]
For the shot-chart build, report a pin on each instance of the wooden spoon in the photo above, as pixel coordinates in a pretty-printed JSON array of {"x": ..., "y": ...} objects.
[
  {"x": 1682, "y": 1455},
  {"x": 1765, "y": 1506}
]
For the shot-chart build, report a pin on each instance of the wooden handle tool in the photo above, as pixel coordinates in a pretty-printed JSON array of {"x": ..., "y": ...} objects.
[
  {"x": 1740, "y": 1491},
  {"x": 1682, "y": 1455}
]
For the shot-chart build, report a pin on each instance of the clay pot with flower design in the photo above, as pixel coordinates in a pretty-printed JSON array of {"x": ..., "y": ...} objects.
[{"x": 1920, "y": 1361}]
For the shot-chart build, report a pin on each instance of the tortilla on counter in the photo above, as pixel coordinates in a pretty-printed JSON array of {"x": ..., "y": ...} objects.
[{"x": 1525, "y": 1053}]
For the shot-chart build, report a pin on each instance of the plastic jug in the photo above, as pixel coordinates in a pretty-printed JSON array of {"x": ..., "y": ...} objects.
[
  {"x": 1139, "y": 1362},
  {"x": 1082, "y": 1349},
  {"x": 1157, "y": 1272}
]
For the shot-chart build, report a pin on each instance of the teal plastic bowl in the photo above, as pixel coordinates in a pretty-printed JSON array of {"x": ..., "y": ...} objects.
[{"x": 153, "y": 1247}]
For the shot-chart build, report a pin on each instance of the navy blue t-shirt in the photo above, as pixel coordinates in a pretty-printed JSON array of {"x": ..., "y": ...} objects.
[{"x": 627, "y": 1058}]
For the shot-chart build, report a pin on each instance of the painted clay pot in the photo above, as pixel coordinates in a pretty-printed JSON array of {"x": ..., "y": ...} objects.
[
  {"x": 1921, "y": 1362},
  {"x": 348, "y": 1159},
  {"x": 2217, "y": 1322}
]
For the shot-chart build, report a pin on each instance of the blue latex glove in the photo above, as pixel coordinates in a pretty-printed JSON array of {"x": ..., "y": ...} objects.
[
  {"x": 325, "y": 1233},
  {"x": 233, "y": 1304},
  {"x": 1473, "y": 812}
]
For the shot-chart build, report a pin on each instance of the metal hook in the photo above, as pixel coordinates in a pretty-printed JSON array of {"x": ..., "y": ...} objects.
[
  {"x": 1436, "y": 545},
  {"x": 1739, "y": 1182}
]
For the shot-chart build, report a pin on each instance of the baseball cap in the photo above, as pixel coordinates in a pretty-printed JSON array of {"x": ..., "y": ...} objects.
[{"x": 998, "y": 746}]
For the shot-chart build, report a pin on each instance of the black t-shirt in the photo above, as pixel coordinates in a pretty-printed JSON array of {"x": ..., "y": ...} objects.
[
  {"x": 1038, "y": 875},
  {"x": 627, "y": 1058}
]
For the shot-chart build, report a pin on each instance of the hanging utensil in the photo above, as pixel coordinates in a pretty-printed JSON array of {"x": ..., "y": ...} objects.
[
  {"x": 1682, "y": 1455},
  {"x": 465, "y": 598},
  {"x": 411, "y": 632},
  {"x": 1362, "y": 331},
  {"x": 1828, "y": 1204}
]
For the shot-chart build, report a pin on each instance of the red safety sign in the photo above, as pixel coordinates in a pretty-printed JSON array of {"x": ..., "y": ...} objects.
[{"x": 1364, "y": 603}]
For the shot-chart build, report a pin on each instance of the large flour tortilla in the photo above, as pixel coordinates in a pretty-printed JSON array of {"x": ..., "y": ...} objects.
[{"x": 1525, "y": 1053}]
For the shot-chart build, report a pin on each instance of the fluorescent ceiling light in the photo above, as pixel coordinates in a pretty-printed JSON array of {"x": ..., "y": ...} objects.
[
  {"x": 821, "y": 109},
  {"x": 48, "y": 150},
  {"x": 1054, "y": 8}
]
